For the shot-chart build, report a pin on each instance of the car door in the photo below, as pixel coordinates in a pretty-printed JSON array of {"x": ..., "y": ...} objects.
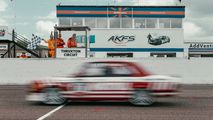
[{"x": 105, "y": 82}]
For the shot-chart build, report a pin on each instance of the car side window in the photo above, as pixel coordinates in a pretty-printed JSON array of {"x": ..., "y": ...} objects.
[
  {"x": 92, "y": 70},
  {"x": 121, "y": 71},
  {"x": 107, "y": 70}
]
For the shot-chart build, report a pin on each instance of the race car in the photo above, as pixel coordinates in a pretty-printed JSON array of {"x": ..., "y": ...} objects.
[
  {"x": 103, "y": 81},
  {"x": 158, "y": 40}
]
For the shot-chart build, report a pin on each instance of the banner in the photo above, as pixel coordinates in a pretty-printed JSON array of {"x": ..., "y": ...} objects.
[
  {"x": 201, "y": 45},
  {"x": 70, "y": 53},
  {"x": 136, "y": 38},
  {"x": 3, "y": 33}
]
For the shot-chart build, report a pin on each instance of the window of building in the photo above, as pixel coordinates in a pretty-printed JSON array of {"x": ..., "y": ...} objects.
[
  {"x": 210, "y": 54},
  {"x": 101, "y": 23},
  {"x": 64, "y": 21},
  {"x": 126, "y": 22},
  {"x": 115, "y": 22},
  {"x": 176, "y": 23},
  {"x": 151, "y": 23},
  {"x": 90, "y": 22},
  {"x": 119, "y": 55},
  {"x": 77, "y": 21},
  {"x": 163, "y": 54},
  {"x": 164, "y": 23},
  {"x": 140, "y": 23}
]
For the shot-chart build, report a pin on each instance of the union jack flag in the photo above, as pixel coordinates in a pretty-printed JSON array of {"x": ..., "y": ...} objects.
[
  {"x": 120, "y": 12},
  {"x": 35, "y": 41}
]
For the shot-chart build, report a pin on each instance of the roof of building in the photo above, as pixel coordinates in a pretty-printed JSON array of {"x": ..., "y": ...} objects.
[
  {"x": 72, "y": 28},
  {"x": 121, "y": 11},
  {"x": 120, "y": 6}
]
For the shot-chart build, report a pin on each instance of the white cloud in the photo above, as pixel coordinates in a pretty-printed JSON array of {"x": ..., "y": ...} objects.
[
  {"x": 3, "y": 4},
  {"x": 3, "y": 22},
  {"x": 192, "y": 31},
  {"x": 44, "y": 27},
  {"x": 22, "y": 23},
  {"x": 51, "y": 15},
  {"x": 46, "y": 24}
]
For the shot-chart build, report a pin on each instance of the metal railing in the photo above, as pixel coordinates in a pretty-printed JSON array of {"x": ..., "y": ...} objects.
[{"x": 23, "y": 43}]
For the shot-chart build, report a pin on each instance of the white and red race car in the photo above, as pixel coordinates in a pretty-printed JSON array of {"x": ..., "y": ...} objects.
[{"x": 102, "y": 81}]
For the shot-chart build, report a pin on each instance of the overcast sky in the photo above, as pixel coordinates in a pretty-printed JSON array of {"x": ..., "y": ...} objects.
[{"x": 39, "y": 16}]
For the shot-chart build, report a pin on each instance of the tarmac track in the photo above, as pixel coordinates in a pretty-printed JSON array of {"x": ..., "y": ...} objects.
[{"x": 194, "y": 103}]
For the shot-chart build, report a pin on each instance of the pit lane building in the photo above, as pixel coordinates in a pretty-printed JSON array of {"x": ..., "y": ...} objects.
[{"x": 127, "y": 31}]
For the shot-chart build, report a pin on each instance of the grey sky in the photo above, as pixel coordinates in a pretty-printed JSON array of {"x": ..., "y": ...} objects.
[{"x": 38, "y": 16}]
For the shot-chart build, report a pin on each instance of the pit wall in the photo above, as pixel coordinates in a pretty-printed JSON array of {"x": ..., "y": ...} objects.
[{"x": 22, "y": 71}]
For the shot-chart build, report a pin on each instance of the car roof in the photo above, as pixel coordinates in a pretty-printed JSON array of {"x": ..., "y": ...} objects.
[{"x": 130, "y": 63}]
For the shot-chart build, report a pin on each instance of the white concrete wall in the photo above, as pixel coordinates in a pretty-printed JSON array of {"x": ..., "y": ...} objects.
[{"x": 21, "y": 71}]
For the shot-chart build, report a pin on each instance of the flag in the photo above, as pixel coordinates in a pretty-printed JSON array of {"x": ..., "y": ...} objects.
[{"x": 35, "y": 41}]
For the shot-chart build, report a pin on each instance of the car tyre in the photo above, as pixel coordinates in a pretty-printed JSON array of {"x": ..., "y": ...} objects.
[
  {"x": 52, "y": 96},
  {"x": 142, "y": 98}
]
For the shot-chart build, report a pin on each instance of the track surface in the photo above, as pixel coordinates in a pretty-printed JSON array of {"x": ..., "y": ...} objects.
[{"x": 195, "y": 103}]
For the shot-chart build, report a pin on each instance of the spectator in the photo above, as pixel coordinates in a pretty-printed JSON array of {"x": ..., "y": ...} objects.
[
  {"x": 72, "y": 41},
  {"x": 23, "y": 55},
  {"x": 51, "y": 46},
  {"x": 60, "y": 42}
]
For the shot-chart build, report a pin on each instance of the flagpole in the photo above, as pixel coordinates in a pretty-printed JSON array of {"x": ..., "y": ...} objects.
[{"x": 14, "y": 13}]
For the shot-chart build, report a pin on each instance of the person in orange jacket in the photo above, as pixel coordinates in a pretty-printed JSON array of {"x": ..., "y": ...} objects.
[
  {"x": 51, "y": 46},
  {"x": 23, "y": 55},
  {"x": 60, "y": 42},
  {"x": 72, "y": 41}
]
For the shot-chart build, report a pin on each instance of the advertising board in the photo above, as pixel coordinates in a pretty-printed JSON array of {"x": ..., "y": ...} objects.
[{"x": 146, "y": 38}]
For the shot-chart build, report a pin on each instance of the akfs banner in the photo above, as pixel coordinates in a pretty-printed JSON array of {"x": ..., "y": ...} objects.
[{"x": 3, "y": 33}]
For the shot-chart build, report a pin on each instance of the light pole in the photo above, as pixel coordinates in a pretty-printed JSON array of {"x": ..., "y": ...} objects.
[{"x": 55, "y": 38}]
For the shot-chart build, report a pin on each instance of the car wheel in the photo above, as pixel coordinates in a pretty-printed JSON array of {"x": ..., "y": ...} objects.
[
  {"x": 53, "y": 97},
  {"x": 142, "y": 98}
]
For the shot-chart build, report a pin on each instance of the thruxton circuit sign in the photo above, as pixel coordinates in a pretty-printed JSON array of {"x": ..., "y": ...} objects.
[{"x": 70, "y": 53}]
